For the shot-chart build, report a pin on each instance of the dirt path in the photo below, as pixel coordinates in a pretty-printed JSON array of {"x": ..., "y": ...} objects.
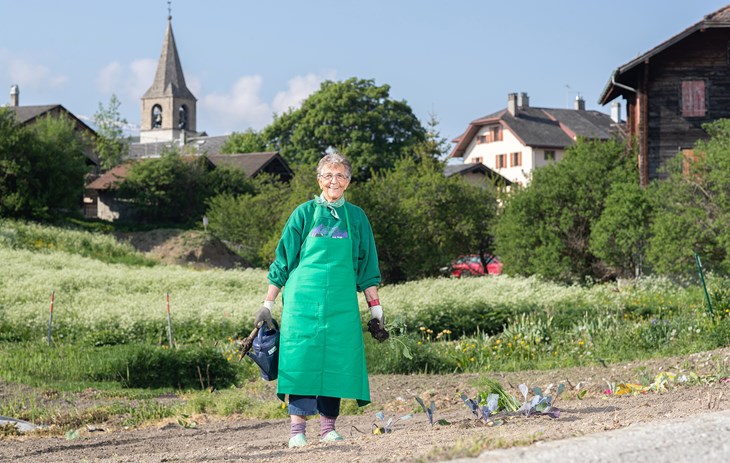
[{"x": 243, "y": 440}]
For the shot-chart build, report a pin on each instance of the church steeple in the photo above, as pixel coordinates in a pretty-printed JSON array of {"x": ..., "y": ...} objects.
[{"x": 168, "y": 107}]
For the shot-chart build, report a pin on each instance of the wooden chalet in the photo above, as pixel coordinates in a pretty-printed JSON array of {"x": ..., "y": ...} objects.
[{"x": 673, "y": 89}]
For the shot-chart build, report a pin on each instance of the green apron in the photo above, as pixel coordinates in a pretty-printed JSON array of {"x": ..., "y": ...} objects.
[{"x": 321, "y": 344}]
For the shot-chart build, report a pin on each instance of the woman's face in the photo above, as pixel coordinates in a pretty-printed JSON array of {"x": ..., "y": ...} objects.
[{"x": 333, "y": 181}]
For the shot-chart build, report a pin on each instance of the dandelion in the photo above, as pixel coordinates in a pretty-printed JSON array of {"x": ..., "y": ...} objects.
[{"x": 471, "y": 359}]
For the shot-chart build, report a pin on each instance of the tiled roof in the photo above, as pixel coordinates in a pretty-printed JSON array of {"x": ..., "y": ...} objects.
[
  {"x": 24, "y": 114},
  {"x": 196, "y": 145},
  {"x": 107, "y": 180},
  {"x": 467, "y": 168},
  {"x": 250, "y": 163},
  {"x": 543, "y": 127}
]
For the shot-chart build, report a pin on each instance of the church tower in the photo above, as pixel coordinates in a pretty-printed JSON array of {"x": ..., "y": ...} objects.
[{"x": 168, "y": 107}]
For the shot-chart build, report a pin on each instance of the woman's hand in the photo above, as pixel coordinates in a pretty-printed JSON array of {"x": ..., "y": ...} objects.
[{"x": 264, "y": 314}]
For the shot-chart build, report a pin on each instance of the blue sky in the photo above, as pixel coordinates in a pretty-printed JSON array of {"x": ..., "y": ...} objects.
[{"x": 246, "y": 60}]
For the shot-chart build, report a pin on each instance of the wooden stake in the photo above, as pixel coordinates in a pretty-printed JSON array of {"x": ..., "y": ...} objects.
[
  {"x": 169, "y": 322},
  {"x": 50, "y": 316}
]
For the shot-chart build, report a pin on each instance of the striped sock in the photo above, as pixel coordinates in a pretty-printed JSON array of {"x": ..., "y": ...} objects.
[
  {"x": 327, "y": 424},
  {"x": 298, "y": 428}
]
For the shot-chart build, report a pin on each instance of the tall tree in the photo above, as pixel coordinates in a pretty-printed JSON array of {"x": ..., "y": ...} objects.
[
  {"x": 545, "y": 228},
  {"x": 110, "y": 144},
  {"x": 620, "y": 237},
  {"x": 693, "y": 208},
  {"x": 355, "y": 117},
  {"x": 168, "y": 188},
  {"x": 248, "y": 141},
  {"x": 42, "y": 167},
  {"x": 422, "y": 220}
]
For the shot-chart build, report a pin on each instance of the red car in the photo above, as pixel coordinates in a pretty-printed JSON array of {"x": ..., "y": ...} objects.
[{"x": 471, "y": 265}]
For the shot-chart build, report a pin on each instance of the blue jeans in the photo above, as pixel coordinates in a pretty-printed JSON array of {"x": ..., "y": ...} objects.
[{"x": 306, "y": 405}]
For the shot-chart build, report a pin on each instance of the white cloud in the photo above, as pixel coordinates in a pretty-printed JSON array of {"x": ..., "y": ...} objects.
[
  {"x": 27, "y": 74},
  {"x": 243, "y": 107},
  {"x": 108, "y": 79},
  {"x": 141, "y": 78},
  {"x": 300, "y": 87}
]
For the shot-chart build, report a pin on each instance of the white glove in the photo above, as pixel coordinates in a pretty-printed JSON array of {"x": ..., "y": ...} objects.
[{"x": 376, "y": 312}]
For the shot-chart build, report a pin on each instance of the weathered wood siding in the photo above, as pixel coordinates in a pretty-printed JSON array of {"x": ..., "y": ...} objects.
[{"x": 701, "y": 56}]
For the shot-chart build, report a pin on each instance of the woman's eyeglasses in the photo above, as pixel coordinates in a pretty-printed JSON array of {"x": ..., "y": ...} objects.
[{"x": 338, "y": 177}]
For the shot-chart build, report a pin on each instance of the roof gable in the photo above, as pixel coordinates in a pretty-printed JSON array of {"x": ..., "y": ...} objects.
[
  {"x": 254, "y": 163},
  {"x": 544, "y": 127},
  {"x": 717, "y": 19}
]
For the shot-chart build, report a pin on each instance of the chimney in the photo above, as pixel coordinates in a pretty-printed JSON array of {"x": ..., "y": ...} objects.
[
  {"x": 616, "y": 112},
  {"x": 580, "y": 103},
  {"x": 512, "y": 103},
  {"x": 523, "y": 101},
  {"x": 14, "y": 95}
]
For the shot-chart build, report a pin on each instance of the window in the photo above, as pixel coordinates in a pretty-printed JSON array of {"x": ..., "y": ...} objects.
[
  {"x": 515, "y": 159},
  {"x": 481, "y": 139},
  {"x": 183, "y": 117},
  {"x": 156, "y": 116},
  {"x": 495, "y": 133},
  {"x": 549, "y": 155},
  {"x": 501, "y": 161},
  {"x": 693, "y": 98},
  {"x": 477, "y": 160}
]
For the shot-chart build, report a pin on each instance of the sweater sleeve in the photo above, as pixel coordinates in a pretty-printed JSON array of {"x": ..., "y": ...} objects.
[
  {"x": 290, "y": 243},
  {"x": 368, "y": 271}
]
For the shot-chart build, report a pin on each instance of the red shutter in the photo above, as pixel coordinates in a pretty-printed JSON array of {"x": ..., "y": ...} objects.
[{"x": 693, "y": 98}]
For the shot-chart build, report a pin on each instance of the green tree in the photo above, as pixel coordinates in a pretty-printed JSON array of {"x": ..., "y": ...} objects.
[
  {"x": 693, "y": 208},
  {"x": 169, "y": 188},
  {"x": 110, "y": 143},
  {"x": 621, "y": 235},
  {"x": 422, "y": 220},
  {"x": 249, "y": 141},
  {"x": 250, "y": 222},
  {"x": 355, "y": 117},
  {"x": 42, "y": 167},
  {"x": 545, "y": 228}
]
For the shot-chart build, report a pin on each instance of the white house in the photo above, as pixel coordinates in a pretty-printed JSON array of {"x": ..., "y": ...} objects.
[{"x": 518, "y": 139}]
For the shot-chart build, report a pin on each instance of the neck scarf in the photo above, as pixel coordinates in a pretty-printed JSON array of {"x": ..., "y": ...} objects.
[{"x": 330, "y": 205}]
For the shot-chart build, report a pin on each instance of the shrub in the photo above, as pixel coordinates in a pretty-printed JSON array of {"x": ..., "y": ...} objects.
[{"x": 184, "y": 368}]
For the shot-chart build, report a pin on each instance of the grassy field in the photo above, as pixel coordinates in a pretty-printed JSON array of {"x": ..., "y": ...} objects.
[{"x": 109, "y": 320}]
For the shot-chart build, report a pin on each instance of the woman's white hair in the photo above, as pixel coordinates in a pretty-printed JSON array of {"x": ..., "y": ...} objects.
[{"x": 335, "y": 159}]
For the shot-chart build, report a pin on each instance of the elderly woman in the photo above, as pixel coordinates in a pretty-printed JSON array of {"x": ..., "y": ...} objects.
[{"x": 326, "y": 254}]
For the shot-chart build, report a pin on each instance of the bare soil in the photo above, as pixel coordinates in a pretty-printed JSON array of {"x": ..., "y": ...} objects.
[
  {"x": 234, "y": 438},
  {"x": 193, "y": 248}
]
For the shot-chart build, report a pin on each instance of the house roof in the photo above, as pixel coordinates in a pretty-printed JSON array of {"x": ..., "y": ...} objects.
[
  {"x": 253, "y": 163},
  {"x": 25, "y": 114},
  {"x": 169, "y": 78},
  {"x": 613, "y": 89},
  {"x": 108, "y": 180},
  {"x": 29, "y": 114},
  {"x": 543, "y": 127},
  {"x": 198, "y": 145},
  {"x": 474, "y": 167}
]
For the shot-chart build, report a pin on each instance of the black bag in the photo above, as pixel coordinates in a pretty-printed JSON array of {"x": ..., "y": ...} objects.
[{"x": 265, "y": 351}]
